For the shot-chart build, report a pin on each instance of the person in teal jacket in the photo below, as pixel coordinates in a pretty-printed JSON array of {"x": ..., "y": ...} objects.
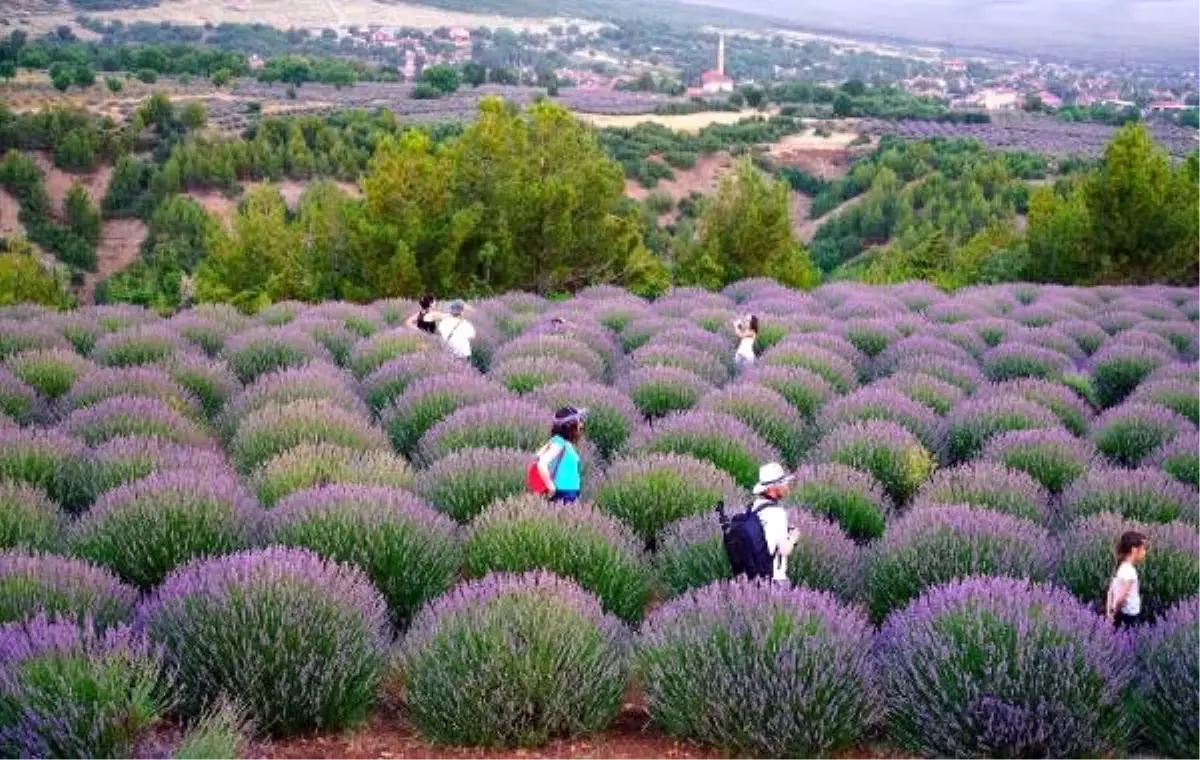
[{"x": 558, "y": 460}]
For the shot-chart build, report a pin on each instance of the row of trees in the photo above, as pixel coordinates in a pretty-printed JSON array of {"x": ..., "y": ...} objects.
[{"x": 73, "y": 240}]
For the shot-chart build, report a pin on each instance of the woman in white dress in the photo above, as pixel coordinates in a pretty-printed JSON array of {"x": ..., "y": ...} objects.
[{"x": 747, "y": 333}]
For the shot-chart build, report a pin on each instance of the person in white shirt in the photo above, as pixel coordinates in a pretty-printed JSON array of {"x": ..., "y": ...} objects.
[
  {"x": 457, "y": 333},
  {"x": 773, "y": 487},
  {"x": 1124, "y": 604},
  {"x": 747, "y": 333}
]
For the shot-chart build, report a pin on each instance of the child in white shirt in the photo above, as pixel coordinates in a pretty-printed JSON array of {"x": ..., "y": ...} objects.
[{"x": 1124, "y": 604}]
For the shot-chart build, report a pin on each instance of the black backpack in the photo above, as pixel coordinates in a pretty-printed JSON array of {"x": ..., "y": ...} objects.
[{"x": 746, "y": 542}]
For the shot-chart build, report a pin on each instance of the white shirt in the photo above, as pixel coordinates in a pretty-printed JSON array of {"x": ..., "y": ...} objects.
[
  {"x": 457, "y": 333},
  {"x": 745, "y": 351},
  {"x": 1127, "y": 574},
  {"x": 775, "y": 527}
]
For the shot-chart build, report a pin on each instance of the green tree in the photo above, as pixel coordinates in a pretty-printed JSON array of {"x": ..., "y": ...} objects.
[
  {"x": 443, "y": 77},
  {"x": 81, "y": 215},
  {"x": 129, "y": 181},
  {"x": 8, "y": 70},
  {"x": 222, "y": 77},
  {"x": 114, "y": 84},
  {"x": 61, "y": 80},
  {"x": 24, "y": 279},
  {"x": 474, "y": 73},
  {"x": 194, "y": 115},
  {"x": 1059, "y": 237},
  {"x": 84, "y": 76},
  {"x": 256, "y": 262},
  {"x": 746, "y": 229},
  {"x": 147, "y": 76}
]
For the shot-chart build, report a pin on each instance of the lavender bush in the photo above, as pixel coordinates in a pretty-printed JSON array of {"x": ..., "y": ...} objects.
[
  {"x": 963, "y": 375},
  {"x": 1003, "y": 667},
  {"x": 573, "y": 541},
  {"x": 374, "y": 352},
  {"x": 1054, "y": 458},
  {"x": 659, "y": 391},
  {"x": 57, "y": 586},
  {"x": 275, "y": 428},
  {"x": 888, "y": 452},
  {"x": 150, "y": 382},
  {"x": 504, "y": 424},
  {"x": 318, "y": 464},
  {"x": 19, "y": 400},
  {"x": 135, "y": 346},
  {"x": 462, "y": 483},
  {"x": 759, "y": 670},
  {"x": 830, "y": 366},
  {"x": 718, "y": 438},
  {"x": 1171, "y": 571},
  {"x": 974, "y": 422},
  {"x": 514, "y": 660},
  {"x": 267, "y": 349},
  {"x": 429, "y": 400},
  {"x": 1179, "y": 396},
  {"x": 525, "y": 374},
  {"x": 127, "y": 458},
  {"x": 145, "y": 529},
  {"x": 58, "y": 465},
  {"x": 387, "y": 383},
  {"x": 1144, "y": 494},
  {"x": 72, "y": 692},
  {"x": 410, "y": 552},
  {"x": 1011, "y": 361},
  {"x": 1167, "y": 682},
  {"x": 806, "y": 391},
  {"x": 1180, "y": 459},
  {"x": 874, "y": 403},
  {"x": 1072, "y": 410},
  {"x": 936, "y": 544},
  {"x": 558, "y": 347},
  {"x": 208, "y": 380},
  {"x": 315, "y": 381},
  {"x": 132, "y": 415},
  {"x": 611, "y": 414},
  {"x": 765, "y": 412},
  {"x": 694, "y": 360},
  {"x": 1117, "y": 369},
  {"x": 649, "y": 492},
  {"x": 938, "y": 395},
  {"x": 298, "y": 641},
  {"x": 849, "y": 497},
  {"x": 20, "y": 336},
  {"x": 51, "y": 371},
  {"x": 28, "y": 520},
  {"x": 1129, "y": 433},
  {"x": 991, "y": 486}
]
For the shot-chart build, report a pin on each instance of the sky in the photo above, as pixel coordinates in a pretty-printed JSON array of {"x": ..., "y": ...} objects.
[{"x": 1110, "y": 29}]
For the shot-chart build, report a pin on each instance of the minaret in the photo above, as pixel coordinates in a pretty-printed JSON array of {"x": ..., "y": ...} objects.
[{"x": 721, "y": 54}]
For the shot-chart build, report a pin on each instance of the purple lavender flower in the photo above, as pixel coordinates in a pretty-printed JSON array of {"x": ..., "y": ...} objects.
[
  {"x": 871, "y": 336},
  {"x": 959, "y": 665},
  {"x": 28, "y": 520},
  {"x": 1129, "y": 433},
  {"x": 1180, "y": 458},
  {"x": 1054, "y": 458},
  {"x": 724, "y": 440},
  {"x": 372, "y": 353},
  {"x": 525, "y": 374},
  {"x": 611, "y": 414},
  {"x": 1180, "y": 396},
  {"x": 151, "y": 382},
  {"x": 18, "y": 400},
  {"x": 69, "y": 588},
  {"x": 19, "y": 336},
  {"x": 410, "y": 551},
  {"x": 281, "y": 313},
  {"x": 141, "y": 344},
  {"x": 710, "y": 343},
  {"x": 873, "y": 403},
  {"x": 834, "y": 369},
  {"x": 759, "y": 669},
  {"x": 266, "y": 349},
  {"x": 894, "y": 456},
  {"x": 1012, "y": 360},
  {"x": 1144, "y": 494},
  {"x": 804, "y": 389},
  {"x": 827, "y": 341},
  {"x": 1072, "y": 411},
  {"x": 965, "y": 376},
  {"x": 127, "y": 458},
  {"x": 275, "y": 428},
  {"x": 462, "y": 483},
  {"x": 1087, "y": 335},
  {"x": 132, "y": 415},
  {"x": 1168, "y": 681},
  {"x": 935, "y": 394},
  {"x": 181, "y": 514},
  {"x": 558, "y": 347},
  {"x": 923, "y": 346},
  {"x": 991, "y": 486},
  {"x": 209, "y": 380},
  {"x": 313, "y": 381},
  {"x": 389, "y": 381},
  {"x": 1117, "y": 368},
  {"x": 659, "y": 391},
  {"x": 48, "y": 460},
  {"x": 51, "y": 371},
  {"x": 852, "y": 498},
  {"x": 975, "y": 421},
  {"x": 564, "y": 662},
  {"x": 300, "y": 642},
  {"x": 504, "y": 424}
]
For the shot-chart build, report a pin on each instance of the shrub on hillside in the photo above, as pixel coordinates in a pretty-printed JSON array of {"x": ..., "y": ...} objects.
[
  {"x": 659, "y": 391},
  {"x": 512, "y": 424},
  {"x": 51, "y": 371},
  {"x": 427, "y": 401},
  {"x": 718, "y": 438},
  {"x": 181, "y": 514},
  {"x": 315, "y": 381},
  {"x": 1052, "y": 682},
  {"x": 649, "y": 492},
  {"x": 611, "y": 415},
  {"x": 58, "y": 465},
  {"x": 204, "y": 332},
  {"x": 759, "y": 670},
  {"x": 826, "y": 340},
  {"x": 389, "y": 382},
  {"x": 300, "y": 642},
  {"x": 1167, "y": 681},
  {"x": 135, "y": 346},
  {"x": 851, "y": 498},
  {"x": 990, "y": 486},
  {"x": 920, "y": 348},
  {"x": 67, "y": 691},
  {"x": 410, "y": 552},
  {"x": 80, "y": 331},
  {"x": 871, "y": 336},
  {"x": 974, "y": 422},
  {"x": 331, "y": 334},
  {"x": 765, "y": 412},
  {"x": 275, "y": 428},
  {"x": 1129, "y": 433},
  {"x": 1171, "y": 571},
  {"x": 1073, "y": 411},
  {"x": 267, "y": 349},
  {"x": 696, "y": 338},
  {"x": 1054, "y": 458},
  {"x": 1144, "y": 494},
  {"x": 1118, "y": 368},
  {"x": 132, "y": 415},
  {"x": 557, "y": 347},
  {"x": 463, "y": 483},
  {"x": 209, "y": 380},
  {"x": 1087, "y": 335},
  {"x": 805, "y": 390},
  {"x": 28, "y": 520},
  {"x": 936, "y": 544},
  {"x": 33, "y": 584},
  {"x": 1180, "y": 459},
  {"x": 883, "y": 449},
  {"x": 317, "y": 464},
  {"x": 574, "y": 541},
  {"x": 514, "y": 660}
]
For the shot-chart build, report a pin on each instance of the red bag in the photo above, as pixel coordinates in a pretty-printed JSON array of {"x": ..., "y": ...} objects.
[{"x": 533, "y": 476}]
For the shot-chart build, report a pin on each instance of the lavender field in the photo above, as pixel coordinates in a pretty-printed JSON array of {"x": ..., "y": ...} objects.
[{"x": 215, "y": 525}]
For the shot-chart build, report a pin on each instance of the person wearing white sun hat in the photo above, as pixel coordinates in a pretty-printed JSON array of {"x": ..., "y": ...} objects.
[{"x": 774, "y": 485}]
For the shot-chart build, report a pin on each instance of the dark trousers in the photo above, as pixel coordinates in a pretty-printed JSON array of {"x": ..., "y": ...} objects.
[
  {"x": 1127, "y": 621},
  {"x": 564, "y": 497}
]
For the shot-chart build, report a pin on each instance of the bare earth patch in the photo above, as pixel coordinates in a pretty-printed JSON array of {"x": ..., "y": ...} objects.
[
  {"x": 58, "y": 182},
  {"x": 120, "y": 241},
  {"x": 703, "y": 178},
  {"x": 10, "y": 224},
  {"x": 223, "y": 206}
]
